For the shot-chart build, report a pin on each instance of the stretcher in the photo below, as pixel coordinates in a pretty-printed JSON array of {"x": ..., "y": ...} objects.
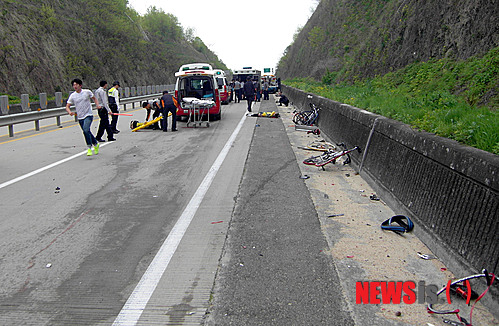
[
  {"x": 146, "y": 124},
  {"x": 197, "y": 108}
]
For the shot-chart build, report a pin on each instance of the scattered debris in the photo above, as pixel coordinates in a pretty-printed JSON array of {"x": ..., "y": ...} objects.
[
  {"x": 425, "y": 256},
  {"x": 48, "y": 265},
  {"x": 453, "y": 323},
  {"x": 336, "y": 215},
  {"x": 349, "y": 256},
  {"x": 398, "y": 314},
  {"x": 217, "y": 222},
  {"x": 315, "y": 132},
  {"x": 405, "y": 224},
  {"x": 305, "y": 176},
  {"x": 374, "y": 197}
]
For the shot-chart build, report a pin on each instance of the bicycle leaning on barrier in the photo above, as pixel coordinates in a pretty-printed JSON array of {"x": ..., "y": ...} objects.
[{"x": 307, "y": 118}]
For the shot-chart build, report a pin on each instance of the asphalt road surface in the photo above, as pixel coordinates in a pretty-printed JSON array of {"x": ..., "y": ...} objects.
[
  {"x": 135, "y": 234},
  {"x": 205, "y": 226}
]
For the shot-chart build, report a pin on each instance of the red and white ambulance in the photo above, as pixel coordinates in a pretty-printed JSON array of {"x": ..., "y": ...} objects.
[{"x": 197, "y": 80}]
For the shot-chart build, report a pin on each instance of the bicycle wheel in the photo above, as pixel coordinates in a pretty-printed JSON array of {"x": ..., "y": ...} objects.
[
  {"x": 313, "y": 159},
  {"x": 301, "y": 118},
  {"x": 321, "y": 146},
  {"x": 328, "y": 157},
  {"x": 298, "y": 118}
]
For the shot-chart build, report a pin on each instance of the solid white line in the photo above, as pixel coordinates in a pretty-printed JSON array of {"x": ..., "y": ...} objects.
[
  {"x": 27, "y": 175},
  {"x": 136, "y": 303}
]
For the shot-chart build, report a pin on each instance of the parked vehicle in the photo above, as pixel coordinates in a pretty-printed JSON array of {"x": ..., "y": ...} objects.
[
  {"x": 272, "y": 82},
  {"x": 243, "y": 74},
  {"x": 197, "y": 80},
  {"x": 223, "y": 86}
]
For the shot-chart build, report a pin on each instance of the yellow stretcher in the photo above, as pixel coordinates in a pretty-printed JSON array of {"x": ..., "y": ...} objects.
[{"x": 148, "y": 123}]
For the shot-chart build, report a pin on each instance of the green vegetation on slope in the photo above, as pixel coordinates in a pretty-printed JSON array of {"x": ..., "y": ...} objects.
[{"x": 453, "y": 99}]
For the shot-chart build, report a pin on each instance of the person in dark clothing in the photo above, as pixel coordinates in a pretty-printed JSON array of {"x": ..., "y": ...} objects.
[
  {"x": 113, "y": 96},
  {"x": 249, "y": 92},
  {"x": 104, "y": 112},
  {"x": 283, "y": 100},
  {"x": 157, "y": 112},
  {"x": 168, "y": 105}
]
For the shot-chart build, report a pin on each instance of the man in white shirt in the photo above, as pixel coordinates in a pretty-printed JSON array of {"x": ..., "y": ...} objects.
[
  {"x": 104, "y": 113},
  {"x": 81, "y": 100}
]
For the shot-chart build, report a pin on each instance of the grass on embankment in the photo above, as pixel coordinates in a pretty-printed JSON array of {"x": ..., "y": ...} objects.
[{"x": 452, "y": 99}]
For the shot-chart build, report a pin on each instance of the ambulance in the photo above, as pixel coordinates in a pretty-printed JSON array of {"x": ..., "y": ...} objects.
[
  {"x": 197, "y": 80},
  {"x": 223, "y": 86}
]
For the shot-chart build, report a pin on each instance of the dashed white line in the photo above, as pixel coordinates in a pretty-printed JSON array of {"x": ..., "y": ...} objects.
[{"x": 27, "y": 175}]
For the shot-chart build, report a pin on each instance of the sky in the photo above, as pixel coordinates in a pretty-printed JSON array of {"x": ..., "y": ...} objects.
[{"x": 251, "y": 33}]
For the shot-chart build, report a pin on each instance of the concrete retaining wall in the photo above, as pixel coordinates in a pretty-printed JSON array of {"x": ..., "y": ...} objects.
[{"x": 449, "y": 190}]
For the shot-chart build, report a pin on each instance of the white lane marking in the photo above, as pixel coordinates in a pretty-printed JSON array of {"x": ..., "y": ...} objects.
[
  {"x": 32, "y": 173},
  {"x": 136, "y": 303}
]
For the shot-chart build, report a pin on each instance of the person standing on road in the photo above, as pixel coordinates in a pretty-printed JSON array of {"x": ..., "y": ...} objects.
[
  {"x": 237, "y": 88},
  {"x": 81, "y": 100},
  {"x": 113, "y": 96},
  {"x": 266, "y": 89},
  {"x": 104, "y": 113},
  {"x": 231, "y": 85},
  {"x": 258, "y": 87},
  {"x": 249, "y": 92},
  {"x": 168, "y": 105}
]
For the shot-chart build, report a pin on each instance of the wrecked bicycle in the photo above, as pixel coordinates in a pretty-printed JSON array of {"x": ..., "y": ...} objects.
[
  {"x": 307, "y": 118},
  {"x": 462, "y": 288},
  {"x": 330, "y": 156}
]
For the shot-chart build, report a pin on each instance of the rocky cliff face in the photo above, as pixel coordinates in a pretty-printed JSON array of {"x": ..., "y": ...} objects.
[
  {"x": 359, "y": 39},
  {"x": 44, "y": 44}
]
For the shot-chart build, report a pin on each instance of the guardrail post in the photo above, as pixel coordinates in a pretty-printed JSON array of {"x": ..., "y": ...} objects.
[
  {"x": 58, "y": 99},
  {"x": 58, "y": 103},
  {"x": 25, "y": 106},
  {"x": 4, "y": 109},
  {"x": 126, "y": 93},
  {"x": 43, "y": 101},
  {"x": 43, "y": 106},
  {"x": 4, "y": 104},
  {"x": 133, "y": 91},
  {"x": 149, "y": 90}
]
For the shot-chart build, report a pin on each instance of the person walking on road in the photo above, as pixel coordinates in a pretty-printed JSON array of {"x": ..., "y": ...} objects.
[
  {"x": 81, "y": 100},
  {"x": 266, "y": 90},
  {"x": 104, "y": 113},
  {"x": 113, "y": 96},
  {"x": 258, "y": 87},
  {"x": 168, "y": 105},
  {"x": 237, "y": 89},
  {"x": 249, "y": 92}
]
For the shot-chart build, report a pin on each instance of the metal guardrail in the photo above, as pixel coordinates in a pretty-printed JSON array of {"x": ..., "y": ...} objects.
[{"x": 12, "y": 119}]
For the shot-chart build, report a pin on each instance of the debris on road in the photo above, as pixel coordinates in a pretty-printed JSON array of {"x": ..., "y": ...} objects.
[{"x": 426, "y": 256}]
